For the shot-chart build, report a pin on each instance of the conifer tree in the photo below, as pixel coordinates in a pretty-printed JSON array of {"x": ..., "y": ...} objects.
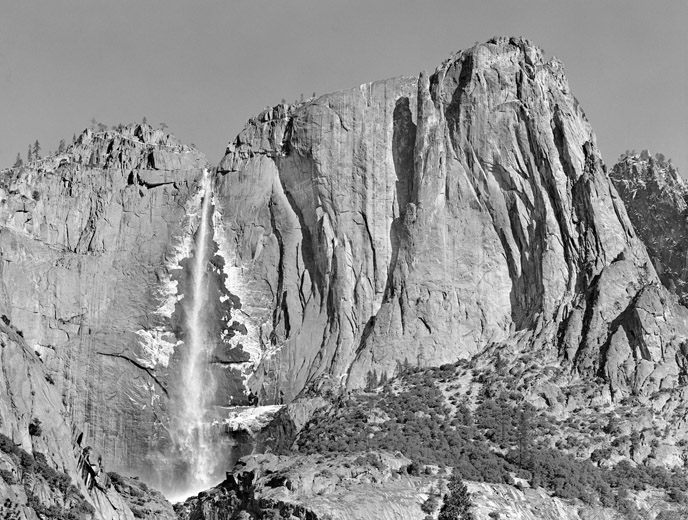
[
  {"x": 29, "y": 155},
  {"x": 36, "y": 150},
  {"x": 457, "y": 503},
  {"x": 371, "y": 380},
  {"x": 18, "y": 163},
  {"x": 430, "y": 505},
  {"x": 383, "y": 378},
  {"x": 62, "y": 146},
  {"x": 524, "y": 435}
]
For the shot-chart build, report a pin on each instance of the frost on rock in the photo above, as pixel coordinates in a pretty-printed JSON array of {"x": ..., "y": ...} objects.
[
  {"x": 251, "y": 420},
  {"x": 158, "y": 344},
  {"x": 250, "y": 342}
]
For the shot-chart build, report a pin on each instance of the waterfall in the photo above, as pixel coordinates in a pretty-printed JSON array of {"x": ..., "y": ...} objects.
[{"x": 191, "y": 432}]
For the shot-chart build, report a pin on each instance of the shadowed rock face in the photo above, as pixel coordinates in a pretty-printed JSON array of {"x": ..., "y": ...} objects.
[
  {"x": 427, "y": 218},
  {"x": 655, "y": 197}
]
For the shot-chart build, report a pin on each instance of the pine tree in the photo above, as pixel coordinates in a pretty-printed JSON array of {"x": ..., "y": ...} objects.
[
  {"x": 29, "y": 155},
  {"x": 383, "y": 379},
  {"x": 524, "y": 435},
  {"x": 145, "y": 120},
  {"x": 371, "y": 380},
  {"x": 457, "y": 503},
  {"x": 62, "y": 146},
  {"x": 18, "y": 163},
  {"x": 36, "y": 150},
  {"x": 431, "y": 503}
]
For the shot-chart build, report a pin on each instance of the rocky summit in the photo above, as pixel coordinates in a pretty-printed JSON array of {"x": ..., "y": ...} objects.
[
  {"x": 376, "y": 292},
  {"x": 424, "y": 219},
  {"x": 655, "y": 197}
]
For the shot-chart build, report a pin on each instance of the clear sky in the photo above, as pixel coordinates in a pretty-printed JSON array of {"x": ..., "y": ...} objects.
[{"x": 204, "y": 67}]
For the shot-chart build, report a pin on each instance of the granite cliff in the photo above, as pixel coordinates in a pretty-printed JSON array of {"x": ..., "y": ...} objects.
[
  {"x": 655, "y": 197},
  {"x": 89, "y": 241},
  {"x": 410, "y": 222},
  {"x": 425, "y": 219},
  {"x": 42, "y": 470}
]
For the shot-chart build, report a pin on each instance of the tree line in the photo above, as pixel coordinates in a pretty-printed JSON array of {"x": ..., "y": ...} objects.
[{"x": 34, "y": 151}]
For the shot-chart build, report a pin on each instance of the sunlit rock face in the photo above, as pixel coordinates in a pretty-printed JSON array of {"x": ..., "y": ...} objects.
[
  {"x": 655, "y": 197},
  {"x": 417, "y": 219},
  {"x": 424, "y": 219},
  {"x": 307, "y": 197},
  {"x": 90, "y": 241},
  {"x": 33, "y": 419},
  {"x": 109, "y": 263},
  {"x": 374, "y": 486}
]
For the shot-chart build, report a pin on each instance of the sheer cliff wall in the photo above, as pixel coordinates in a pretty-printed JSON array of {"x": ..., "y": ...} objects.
[
  {"x": 418, "y": 219},
  {"x": 88, "y": 241},
  {"x": 425, "y": 219}
]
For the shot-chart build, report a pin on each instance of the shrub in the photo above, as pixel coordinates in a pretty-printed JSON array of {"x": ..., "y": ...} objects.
[
  {"x": 116, "y": 478},
  {"x": 35, "y": 429},
  {"x": 7, "y": 476}
]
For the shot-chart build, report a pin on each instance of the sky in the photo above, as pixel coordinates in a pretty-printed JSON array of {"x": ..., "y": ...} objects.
[{"x": 204, "y": 67}]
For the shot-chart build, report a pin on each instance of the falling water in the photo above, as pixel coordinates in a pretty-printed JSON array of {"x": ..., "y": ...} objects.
[{"x": 192, "y": 429}]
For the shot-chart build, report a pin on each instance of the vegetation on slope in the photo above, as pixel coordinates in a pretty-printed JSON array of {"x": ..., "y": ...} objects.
[
  {"x": 496, "y": 438},
  {"x": 35, "y": 468}
]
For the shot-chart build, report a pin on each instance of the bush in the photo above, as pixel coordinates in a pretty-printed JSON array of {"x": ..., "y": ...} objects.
[
  {"x": 414, "y": 469},
  {"x": 116, "y": 479},
  {"x": 35, "y": 429},
  {"x": 7, "y": 476}
]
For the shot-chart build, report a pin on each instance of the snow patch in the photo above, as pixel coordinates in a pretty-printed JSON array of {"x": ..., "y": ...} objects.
[
  {"x": 235, "y": 284},
  {"x": 251, "y": 420},
  {"x": 156, "y": 347}
]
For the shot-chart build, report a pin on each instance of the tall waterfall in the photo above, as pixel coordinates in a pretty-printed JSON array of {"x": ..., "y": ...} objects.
[{"x": 192, "y": 430}]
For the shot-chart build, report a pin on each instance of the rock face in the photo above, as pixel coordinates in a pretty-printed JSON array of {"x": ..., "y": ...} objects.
[
  {"x": 655, "y": 198},
  {"x": 413, "y": 220},
  {"x": 38, "y": 451},
  {"x": 89, "y": 243},
  {"x": 424, "y": 219},
  {"x": 313, "y": 488},
  {"x": 374, "y": 486}
]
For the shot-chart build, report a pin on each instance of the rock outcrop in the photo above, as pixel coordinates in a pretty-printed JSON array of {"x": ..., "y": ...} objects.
[
  {"x": 371, "y": 486},
  {"x": 424, "y": 219},
  {"x": 655, "y": 198}
]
